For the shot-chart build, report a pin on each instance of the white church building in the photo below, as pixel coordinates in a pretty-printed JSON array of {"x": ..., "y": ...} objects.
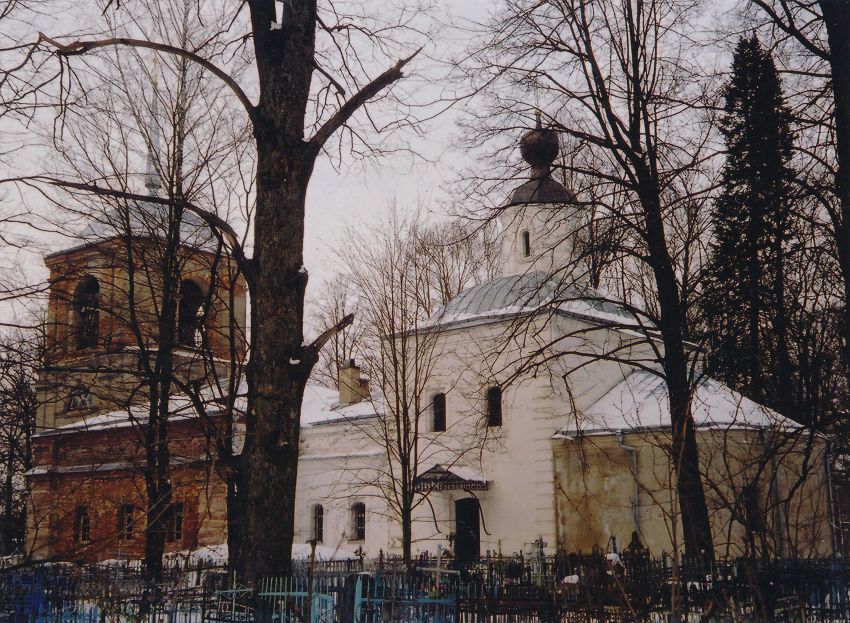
[{"x": 548, "y": 422}]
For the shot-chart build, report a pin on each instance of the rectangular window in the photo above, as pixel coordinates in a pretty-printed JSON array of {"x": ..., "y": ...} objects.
[
  {"x": 318, "y": 523},
  {"x": 358, "y": 522},
  {"x": 494, "y": 406},
  {"x": 174, "y": 523},
  {"x": 439, "y": 406},
  {"x": 82, "y": 525},
  {"x": 753, "y": 516},
  {"x": 126, "y": 519}
]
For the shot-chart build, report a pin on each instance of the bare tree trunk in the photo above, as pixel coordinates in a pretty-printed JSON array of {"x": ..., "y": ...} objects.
[
  {"x": 157, "y": 454},
  {"x": 695, "y": 523},
  {"x": 269, "y": 461}
]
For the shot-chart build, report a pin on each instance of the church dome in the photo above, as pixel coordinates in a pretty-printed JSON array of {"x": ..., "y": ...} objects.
[
  {"x": 146, "y": 219},
  {"x": 539, "y": 148},
  {"x": 541, "y": 190}
]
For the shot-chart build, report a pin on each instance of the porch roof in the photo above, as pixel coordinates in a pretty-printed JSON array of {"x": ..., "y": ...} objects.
[{"x": 454, "y": 478}]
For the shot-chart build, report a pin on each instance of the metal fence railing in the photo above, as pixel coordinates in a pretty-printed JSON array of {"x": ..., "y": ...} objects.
[{"x": 630, "y": 586}]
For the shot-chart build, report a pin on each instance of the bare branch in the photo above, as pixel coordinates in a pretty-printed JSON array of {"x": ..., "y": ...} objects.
[
  {"x": 359, "y": 99},
  {"x": 81, "y": 47}
]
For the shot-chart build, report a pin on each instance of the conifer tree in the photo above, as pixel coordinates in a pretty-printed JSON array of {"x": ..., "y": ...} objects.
[{"x": 744, "y": 299}]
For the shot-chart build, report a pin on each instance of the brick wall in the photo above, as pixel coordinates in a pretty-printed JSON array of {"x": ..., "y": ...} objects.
[{"x": 101, "y": 471}]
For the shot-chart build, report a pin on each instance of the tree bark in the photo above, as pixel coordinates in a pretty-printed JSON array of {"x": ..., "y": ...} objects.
[{"x": 276, "y": 374}]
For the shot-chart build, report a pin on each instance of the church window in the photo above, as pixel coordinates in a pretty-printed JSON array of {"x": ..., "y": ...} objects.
[
  {"x": 439, "y": 409},
  {"x": 526, "y": 244},
  {"x": 82, "y": 525},
  {"x": 494, "y": 406},
  {"x": 86, "y": 314},
  {"x": 80, "y": 399},
  {"x": 126, "y": 522},
  {"x": 318, "y": 528},
  {"x": 753, "y": 516},
  {"x": 358, "y": 522},
  {"x": 190, "y": 314},
  {"x": 174, "y": 523}
]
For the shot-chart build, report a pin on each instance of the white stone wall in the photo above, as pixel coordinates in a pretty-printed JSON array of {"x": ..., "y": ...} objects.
[{"x": 516, "y": 458}]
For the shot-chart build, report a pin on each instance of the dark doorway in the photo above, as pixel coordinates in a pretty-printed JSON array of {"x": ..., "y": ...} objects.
[{"x": 467, "y": 531}]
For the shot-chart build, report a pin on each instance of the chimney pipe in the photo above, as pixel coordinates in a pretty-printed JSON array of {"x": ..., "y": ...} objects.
[{"x": 351, "y": 387}]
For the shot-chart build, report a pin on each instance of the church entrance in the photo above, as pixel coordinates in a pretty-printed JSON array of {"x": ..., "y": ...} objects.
[{"x": 467, "y": 531}]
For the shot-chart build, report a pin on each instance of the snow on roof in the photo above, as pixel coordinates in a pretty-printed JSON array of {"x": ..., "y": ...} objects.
[
  {"x": 179, "y": 406},
  {"x": 320, "y": 405},
  {"x": 640, "y": 402},
  {"x": 528, "y": 294}
]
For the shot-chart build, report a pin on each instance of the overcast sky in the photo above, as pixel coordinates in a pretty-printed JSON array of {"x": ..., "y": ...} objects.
[
  {"x": 350, "y": 198},
  {"x": 353, "y": 196}
]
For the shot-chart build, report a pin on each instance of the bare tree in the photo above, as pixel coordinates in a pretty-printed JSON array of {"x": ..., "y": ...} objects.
[
  {"x": 614, "y": 77},
  {"x": 400, "y": 279},
  {"x": 336, "y": 300},
  {"x": 288, "y": 49},
  {"x": 20, "y": 357},
  {"x": 161, "y": 318}
]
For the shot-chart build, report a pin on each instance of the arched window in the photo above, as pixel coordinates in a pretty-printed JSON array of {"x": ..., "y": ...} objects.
[
  {"x": 318, "y": 521},
  {"x": 126, "y": 522},
  {"x": 439, "y": 408},
  {"x": 526, "y": 244},
  {"x": 86, "y": 314},
  {"x": 190, "y": 315},
  {"x": 82, "y": 525},
  {"x": 494, "y": 406},
  {"x": 358, "y": 522}
]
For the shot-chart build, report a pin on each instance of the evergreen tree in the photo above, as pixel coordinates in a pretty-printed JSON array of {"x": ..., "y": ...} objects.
[{"x": 745, "y": 301}]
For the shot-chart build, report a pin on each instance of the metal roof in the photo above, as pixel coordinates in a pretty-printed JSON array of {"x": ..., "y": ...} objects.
[
  {"x": 147, "y": 219},
  {"x": 541, "y": 190},
  {"x": 528, "y": 290}
]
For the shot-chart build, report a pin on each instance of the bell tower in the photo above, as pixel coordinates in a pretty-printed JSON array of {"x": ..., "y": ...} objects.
[
  {"x": 541, "y": 217},
  {"x": 105, "y": 297}
]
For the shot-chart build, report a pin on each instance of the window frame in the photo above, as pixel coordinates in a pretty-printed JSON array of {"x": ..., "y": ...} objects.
[
  {"x": 86, "y": 310},
  {"x": 358, "y": 522},
  {"x": 317, "y": 523},
  {"x": 525, "y": 238},
  {"x": 126, "y": 522},
  {"x": 174, "y": 522},
  {"x": 754, "y": 518},
  {"x": 83, "y": 396},
  {"x": 190, "y": 317}
]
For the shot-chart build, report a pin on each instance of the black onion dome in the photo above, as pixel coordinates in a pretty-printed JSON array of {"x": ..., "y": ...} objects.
[{"x": 539, "y": 148}]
